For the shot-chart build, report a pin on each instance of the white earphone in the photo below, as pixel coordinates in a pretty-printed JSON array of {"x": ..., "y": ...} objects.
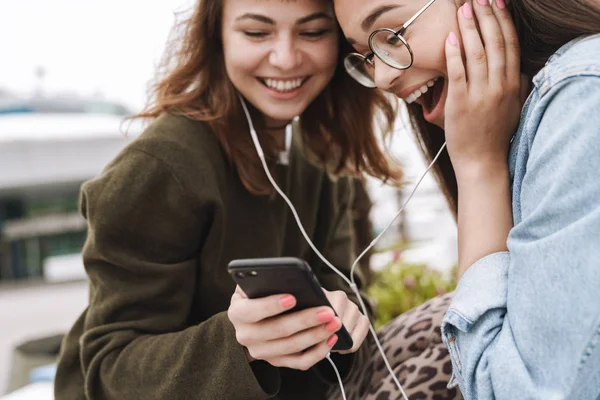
[{"x": 351, "y": 283}]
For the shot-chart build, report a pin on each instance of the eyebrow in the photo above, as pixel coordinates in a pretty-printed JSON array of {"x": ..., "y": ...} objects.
[
  {"x": 267, "y": 20},
  {"x": 370, "y": 20}
]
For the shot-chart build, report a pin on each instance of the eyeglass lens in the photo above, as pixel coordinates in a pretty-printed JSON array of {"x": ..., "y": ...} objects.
[
  {"x": 360, "y": 69},
  {"x": 391, "y": 49}
]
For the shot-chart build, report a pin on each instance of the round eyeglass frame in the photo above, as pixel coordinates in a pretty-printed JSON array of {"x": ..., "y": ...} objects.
[{"x": 368, "y": 59}]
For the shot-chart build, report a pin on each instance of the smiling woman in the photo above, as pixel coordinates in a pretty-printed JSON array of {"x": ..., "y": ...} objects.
[
  {"x": 285, "y": 59},
  {"x": 189, "y": 195},
  {"x": 518, "y": 115}
]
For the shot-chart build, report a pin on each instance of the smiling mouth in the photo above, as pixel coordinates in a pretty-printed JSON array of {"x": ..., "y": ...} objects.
[
  {"x": 283, "y": 85},
  {"x": 428, "y": 95}
]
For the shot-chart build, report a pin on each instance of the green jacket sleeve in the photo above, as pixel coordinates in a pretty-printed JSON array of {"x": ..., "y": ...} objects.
[
  {"x": 141, "y": 256},
  {"x": 338, "y": 248}
]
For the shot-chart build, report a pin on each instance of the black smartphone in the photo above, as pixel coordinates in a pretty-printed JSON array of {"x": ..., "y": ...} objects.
[{"x": 262, "y": 277}]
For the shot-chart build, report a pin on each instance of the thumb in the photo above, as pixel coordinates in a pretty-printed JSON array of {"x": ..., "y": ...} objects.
[{"x": 240, "y": 292}]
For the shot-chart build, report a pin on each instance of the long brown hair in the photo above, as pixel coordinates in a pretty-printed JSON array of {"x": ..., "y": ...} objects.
[
  {"x": 338, "y": 126},
  {"x": 542, "y": 27}
]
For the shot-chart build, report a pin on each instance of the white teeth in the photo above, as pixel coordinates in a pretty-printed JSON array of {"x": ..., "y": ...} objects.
[
  {"x": 420, "y": 91},
  {"x": 283, "y": 86}
]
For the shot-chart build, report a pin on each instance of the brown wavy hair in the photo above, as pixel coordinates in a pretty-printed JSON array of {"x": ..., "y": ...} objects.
[
  {"x": 542, "y": 27},
  {"x": 338, "y": 127}
]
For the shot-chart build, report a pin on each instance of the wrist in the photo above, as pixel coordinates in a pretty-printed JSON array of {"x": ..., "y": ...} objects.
[{"x": 481, "y": 170}]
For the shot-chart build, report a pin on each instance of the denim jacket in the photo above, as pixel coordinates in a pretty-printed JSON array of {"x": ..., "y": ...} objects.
[{"x": 525, "y": 324}]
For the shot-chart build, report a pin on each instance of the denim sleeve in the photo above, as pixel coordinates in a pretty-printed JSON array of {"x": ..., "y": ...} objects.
[{"x": 525, "y": 324}]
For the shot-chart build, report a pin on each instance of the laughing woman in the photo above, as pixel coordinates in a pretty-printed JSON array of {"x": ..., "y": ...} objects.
[
  {"x": 188, "y": 196},
  {"x": 524, "y": 322}
]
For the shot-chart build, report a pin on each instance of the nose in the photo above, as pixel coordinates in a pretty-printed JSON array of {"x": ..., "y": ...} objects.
[
  {"x": 285, "y": 54},
  {"x": 385, "y": 76}
]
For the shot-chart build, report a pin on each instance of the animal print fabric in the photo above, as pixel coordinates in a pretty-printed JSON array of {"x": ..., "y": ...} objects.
[{"x": 413, "y": 345}]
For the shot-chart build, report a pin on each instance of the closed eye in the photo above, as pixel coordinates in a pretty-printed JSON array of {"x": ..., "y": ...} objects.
[
  {"x": 316, "y": 33},
  {"x": 392, "y": 39},
  {"x": 256, "y": 34}
]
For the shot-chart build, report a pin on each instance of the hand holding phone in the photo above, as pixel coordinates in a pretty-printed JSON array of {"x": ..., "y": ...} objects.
[
  {"x": 295, "y": 340},
  {"x": 296, "y": 330}
]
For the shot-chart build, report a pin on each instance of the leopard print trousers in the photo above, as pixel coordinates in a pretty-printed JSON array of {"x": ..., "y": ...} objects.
[{"x": 413, "y": 345}]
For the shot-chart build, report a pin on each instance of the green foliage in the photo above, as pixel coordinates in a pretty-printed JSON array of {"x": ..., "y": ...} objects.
[{"x": 400, "y": 287}]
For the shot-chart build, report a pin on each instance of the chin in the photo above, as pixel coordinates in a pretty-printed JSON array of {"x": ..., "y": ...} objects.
[
  {"x": 280, "y": 111},
  {"x": 281, "y": 115}
]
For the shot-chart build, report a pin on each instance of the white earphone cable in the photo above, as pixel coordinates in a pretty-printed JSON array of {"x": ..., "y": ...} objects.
[
  {"x": 337, "y": 373},
  {"x": 351, "y": 283}
]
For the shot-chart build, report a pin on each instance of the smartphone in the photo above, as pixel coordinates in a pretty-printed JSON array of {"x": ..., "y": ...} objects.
[{"x": 261, "y": 277}]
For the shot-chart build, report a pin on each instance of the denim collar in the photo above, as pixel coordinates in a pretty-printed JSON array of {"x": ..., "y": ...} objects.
[{"x": 562, "y": 50}]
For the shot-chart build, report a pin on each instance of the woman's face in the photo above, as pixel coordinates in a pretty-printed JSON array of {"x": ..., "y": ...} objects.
[
  {"x": 426, "y": 37},
  {"x": 279, "y": 54}
]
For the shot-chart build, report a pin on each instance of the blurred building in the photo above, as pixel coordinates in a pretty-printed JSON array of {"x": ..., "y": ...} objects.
[{"x": 48, "y": 147}]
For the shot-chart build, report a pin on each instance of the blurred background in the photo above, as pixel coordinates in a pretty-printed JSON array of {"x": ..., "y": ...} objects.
[{"x": 69, "y": 72}]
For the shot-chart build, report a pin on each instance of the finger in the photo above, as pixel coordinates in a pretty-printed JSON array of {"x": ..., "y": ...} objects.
[
  {"x": 236, "y": 297},
  {"x": 287, "y": 325},
  {"x": 351, "y": 317},
  {"x": 493, "y": 40},
  {"x": 239, "y": 291},
  {"x": 289, "y": 346},
  {"x": 457, "y": 84},
  {"x": 359, "y": 334},
  {"x": 511, "y": 40},
  {"x": 255, "y": 310},
  {"x": 305, "y": 360},
  {"x": 338, "y": 300},
  {"x": 475, "y": 57}
]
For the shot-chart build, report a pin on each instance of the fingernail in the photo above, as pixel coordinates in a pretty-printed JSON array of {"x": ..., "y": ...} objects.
[
  {"x": 483, "y": 2},
  {"x": 333, "y": 326},
  {"x": 287, "y": 301},
  {"x": 467, "y": 10},
  {"x": 325, "y": 316},
  {"x": 332, "y": 341},
  {"x": 501, "y": 4},
  {"x": 452, "y": 39}
]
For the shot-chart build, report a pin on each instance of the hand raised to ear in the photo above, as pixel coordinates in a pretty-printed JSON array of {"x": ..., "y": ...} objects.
[{"x": 484, "y": 91}]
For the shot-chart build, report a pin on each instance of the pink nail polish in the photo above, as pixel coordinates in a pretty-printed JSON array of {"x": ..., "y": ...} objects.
[
  {"x": 452, "y": 39},
  {"x": 325, "y": 316},
  {"x": 333, "y": 326},
  {"x": 467, "y": 10},
  {"x": 483, "y": 2},
  {"x": 332, "y": 341},
  {"x": 287, "y": 301},
  {"x": 501, "y": 4}
]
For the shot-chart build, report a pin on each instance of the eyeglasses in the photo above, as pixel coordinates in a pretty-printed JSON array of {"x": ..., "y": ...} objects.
[{"x": 389, "y": 46}]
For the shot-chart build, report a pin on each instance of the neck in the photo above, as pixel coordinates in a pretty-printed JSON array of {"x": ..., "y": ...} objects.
[{"x": 276, "y": 129}]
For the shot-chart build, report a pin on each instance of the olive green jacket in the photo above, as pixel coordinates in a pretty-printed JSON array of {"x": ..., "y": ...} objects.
[{"x": 165, "y": 218}]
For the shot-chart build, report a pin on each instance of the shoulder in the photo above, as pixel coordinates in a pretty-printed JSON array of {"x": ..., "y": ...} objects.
[
  {"x": 578, "y": 59},
  {"x": 172, "y": 150},
  {"x": 188, "y": 148},
  {"x": 178, "y": 141}
]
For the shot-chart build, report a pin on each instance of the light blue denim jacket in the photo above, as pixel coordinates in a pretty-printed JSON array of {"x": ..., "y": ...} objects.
[{"x": 525, "y": 324}]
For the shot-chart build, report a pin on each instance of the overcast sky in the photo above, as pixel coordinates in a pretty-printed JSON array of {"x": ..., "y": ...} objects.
[{"x": 85, "y": 46}]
